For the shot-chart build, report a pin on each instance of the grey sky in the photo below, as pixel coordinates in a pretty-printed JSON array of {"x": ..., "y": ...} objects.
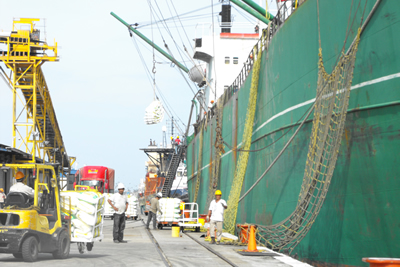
[{"x": 99, "y": 87}]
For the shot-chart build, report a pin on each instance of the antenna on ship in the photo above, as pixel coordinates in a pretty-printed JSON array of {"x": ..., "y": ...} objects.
[
  {"x": 164, "y": 139},
  {"x": 170, "y": 127}
]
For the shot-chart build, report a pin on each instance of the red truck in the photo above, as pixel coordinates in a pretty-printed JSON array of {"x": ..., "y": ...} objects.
[{"x": 99, "y": 177}]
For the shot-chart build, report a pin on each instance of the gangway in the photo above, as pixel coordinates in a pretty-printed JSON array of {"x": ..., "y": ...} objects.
[
  {"x": 35, "y": 127},
  {"x": 173, "y": 167}
]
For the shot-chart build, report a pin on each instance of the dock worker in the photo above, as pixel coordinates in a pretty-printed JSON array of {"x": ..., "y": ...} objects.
[
  {"x": 182, "y": 208},
  {"x": 142, "y": 203},
  {"x": 119, "y": 202},
  {"x": 177, "y": 140},
  {"x": 216, "y": 216},
  {"x": 20, "y": 187},
  {"x": 154, "y": 207},
  {"x": 2, "y": 197}
]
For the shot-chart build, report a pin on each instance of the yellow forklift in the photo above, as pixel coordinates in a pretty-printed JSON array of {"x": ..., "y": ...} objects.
[{"x": 31, "y": 226}]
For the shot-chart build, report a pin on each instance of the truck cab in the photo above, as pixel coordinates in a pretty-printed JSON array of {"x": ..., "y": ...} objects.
[{"x": 96, "y": 177}]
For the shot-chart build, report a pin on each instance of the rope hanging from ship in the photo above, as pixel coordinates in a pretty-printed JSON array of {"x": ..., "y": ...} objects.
[
  {"x": 240, "y": 171},
  {"x": 199, "y": 162},
  {"x": 218, "y": 151}
]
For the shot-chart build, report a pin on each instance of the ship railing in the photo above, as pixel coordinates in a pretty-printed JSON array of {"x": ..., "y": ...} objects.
[{"x": 284, "y": 12}]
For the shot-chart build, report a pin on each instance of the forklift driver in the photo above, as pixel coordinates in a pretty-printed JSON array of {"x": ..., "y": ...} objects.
[{"x": 21, "y": 187}]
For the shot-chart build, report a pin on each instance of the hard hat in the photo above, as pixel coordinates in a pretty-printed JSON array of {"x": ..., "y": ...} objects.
[
  {"x": 172, "y": 137},
  {"x": 120, "y": 186},
  {"x": 19, "y": 176},
  {"x": 1, "y": 190},
  {"x": 177, "y": 136},
  {"x": 159, "y": 194},
  {"x": 218, "y": 193}
]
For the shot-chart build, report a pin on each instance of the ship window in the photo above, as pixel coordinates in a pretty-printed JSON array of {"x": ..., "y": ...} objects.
[
  {"x": 198, "y": 42},
  {"x": 227, "y": 59},
  {"x": 235, "y": 60}
]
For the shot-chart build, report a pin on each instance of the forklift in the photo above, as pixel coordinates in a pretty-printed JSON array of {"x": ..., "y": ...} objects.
[{"x": 31, "y": 226}]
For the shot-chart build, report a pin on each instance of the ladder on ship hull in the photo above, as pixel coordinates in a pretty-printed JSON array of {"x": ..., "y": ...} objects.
[{"x": 173, "y": 167}]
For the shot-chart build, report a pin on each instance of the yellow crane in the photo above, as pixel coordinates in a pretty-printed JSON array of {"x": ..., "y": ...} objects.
[{"x": 34, "y": 126}]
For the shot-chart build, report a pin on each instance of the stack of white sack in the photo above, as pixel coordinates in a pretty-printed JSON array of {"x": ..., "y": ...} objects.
[
  {"x": 86, "y": 213},
  {"x": 69, "y": 203},
  {"x": 170, "y": 210},
  {"x": 132, "y": 206},
  {"x": 108, "y": 210}
]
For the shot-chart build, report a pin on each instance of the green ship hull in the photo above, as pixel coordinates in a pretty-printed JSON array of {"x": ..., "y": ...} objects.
[{"x": 361, "y": 213}]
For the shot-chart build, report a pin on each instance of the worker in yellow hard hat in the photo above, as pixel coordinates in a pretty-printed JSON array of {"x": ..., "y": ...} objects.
[
  {"x": 181, "y": 208},
  {"x": 20, "y": 187},
  {"x": 177, "y": 143},
  {"x": 2, "y": 198},
  {"x": 216, "y": 216}
]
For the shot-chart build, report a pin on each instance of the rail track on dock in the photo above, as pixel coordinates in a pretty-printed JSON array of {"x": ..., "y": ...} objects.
[
  {"x": 165, "y": 257},
  {"x": 211, "y": 250}
]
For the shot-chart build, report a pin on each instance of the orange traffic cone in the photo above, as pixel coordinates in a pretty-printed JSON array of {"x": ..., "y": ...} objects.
[{"x": 252, "y": 246}]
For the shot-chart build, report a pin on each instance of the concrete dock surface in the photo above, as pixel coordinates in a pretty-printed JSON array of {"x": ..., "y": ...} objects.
[{"x": 142, "y": 251}]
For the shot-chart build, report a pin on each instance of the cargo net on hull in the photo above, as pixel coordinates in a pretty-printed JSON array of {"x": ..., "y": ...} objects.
[
  {"x": 333, "y": 92},
  {"x": 219, "y": 150}
]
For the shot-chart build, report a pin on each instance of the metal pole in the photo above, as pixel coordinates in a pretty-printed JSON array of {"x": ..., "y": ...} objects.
[
  {"x": 190, "y": 117},
  {"x": 151, "y": 43},
  {"x": 251, "y": 11},
  {"x": 259, "y": 9}
]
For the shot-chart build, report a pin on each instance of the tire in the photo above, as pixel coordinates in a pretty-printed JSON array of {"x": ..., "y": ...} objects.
[
  {"x": 17, "y": 255},
  {"x": 30, "y": 249},
  {"x": 89, "y": 246},
  {"x": 63, "y": 246}
]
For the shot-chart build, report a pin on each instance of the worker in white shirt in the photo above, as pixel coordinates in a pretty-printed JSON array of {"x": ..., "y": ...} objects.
[
  {"x": 20, "y": 187},
  {"x": 119, "y": 202},
  {"x": 216, "y": 216}
]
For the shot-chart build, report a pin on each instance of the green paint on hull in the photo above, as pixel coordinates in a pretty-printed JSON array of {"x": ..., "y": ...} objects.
[{"x": 361, "y": 213}]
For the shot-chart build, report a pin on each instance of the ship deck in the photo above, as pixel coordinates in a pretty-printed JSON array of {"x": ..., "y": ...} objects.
[{"x": 163, "y": 250}]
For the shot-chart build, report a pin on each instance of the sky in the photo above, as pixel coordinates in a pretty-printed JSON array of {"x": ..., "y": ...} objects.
[{"x": 100, "y": 88}]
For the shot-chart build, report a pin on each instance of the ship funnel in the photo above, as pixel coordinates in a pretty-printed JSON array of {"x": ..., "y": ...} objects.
[{"x": 197, "y": 74}]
